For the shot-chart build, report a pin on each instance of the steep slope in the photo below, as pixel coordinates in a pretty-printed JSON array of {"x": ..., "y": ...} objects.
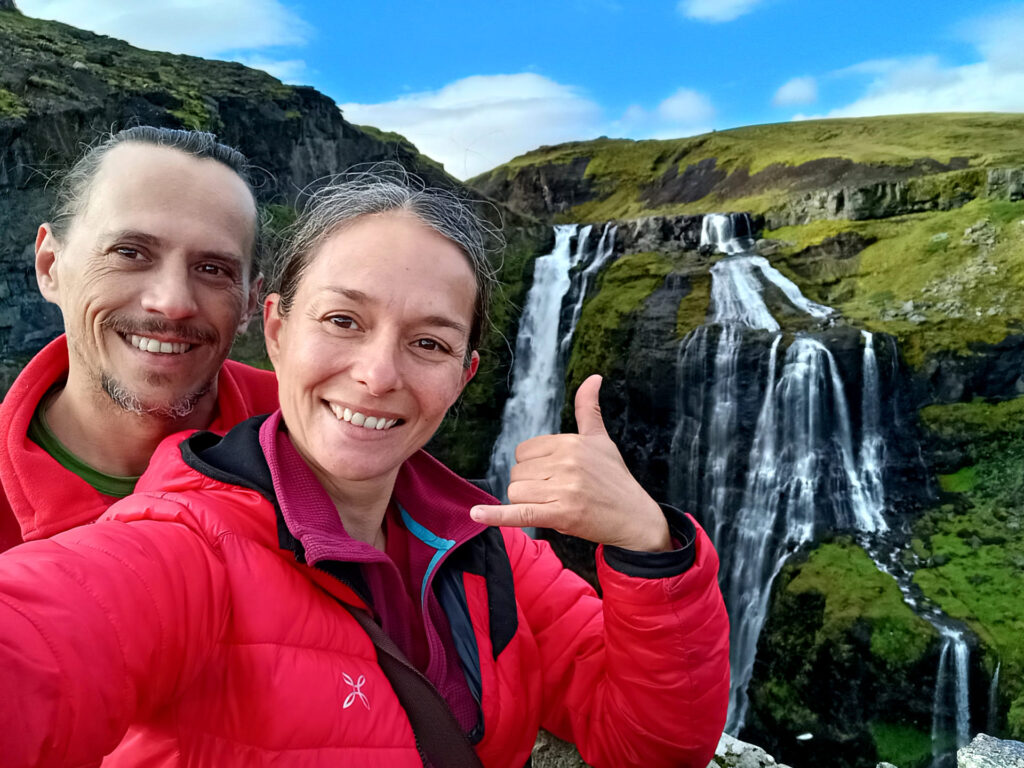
[{"x": 790, "y": 172}]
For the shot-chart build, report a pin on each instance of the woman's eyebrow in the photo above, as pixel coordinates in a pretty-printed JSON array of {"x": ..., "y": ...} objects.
[{"x": 433, "y": 320}]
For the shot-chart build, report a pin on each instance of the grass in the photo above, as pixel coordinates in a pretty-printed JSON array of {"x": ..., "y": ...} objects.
[
  {"x": 854, "y": 590},
  {"x": 11, "y": 106},
  {"x": 924, "y": 258},
  {"x": 621, "y": 168},
  {"x": 902, "y": 745},
  {"x": 975, "y": 545}
]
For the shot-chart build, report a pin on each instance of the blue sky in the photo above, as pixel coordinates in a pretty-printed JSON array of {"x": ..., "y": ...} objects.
[{"x": 476, "y": 83}]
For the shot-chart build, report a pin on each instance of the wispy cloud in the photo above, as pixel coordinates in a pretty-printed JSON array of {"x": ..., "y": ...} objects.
[
  {"x": 716, "y": 11},
  {"x": 287, "y": 71},
  {"x": 799, "y": 90},
  {"x": 478, "y": 122},
  {"x": 685, "y": 113},
  {"x": 994, "y": 83},
  {"x": 184, "y": 26}
]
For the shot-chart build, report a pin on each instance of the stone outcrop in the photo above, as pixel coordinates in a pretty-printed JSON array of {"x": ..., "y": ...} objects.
[
  {"x": 542, "y": 190},
  {"x": 988, "y": 752}
]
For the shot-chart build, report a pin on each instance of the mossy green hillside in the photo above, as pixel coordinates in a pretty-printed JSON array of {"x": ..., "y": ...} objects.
[
  {"x": 600, "y": 335},
  {"x": 622, "y": 169},
  {"x": 69, "y": 64},
  {"x": 902, "y": 745},
  {"x": 973, "y": 545},
  {"x": 855, "y": 589},
  {"x": 11, "y": 106},
  {"x": 965, "y": 288}
]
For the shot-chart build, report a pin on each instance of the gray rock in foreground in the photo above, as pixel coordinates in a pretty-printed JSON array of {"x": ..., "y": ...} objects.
[
  {"x": 733, "y": 753},
  {"x": 989, "y": 752}
]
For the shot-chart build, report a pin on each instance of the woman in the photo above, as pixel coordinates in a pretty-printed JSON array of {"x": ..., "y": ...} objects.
[{"x": 217, "y": 617}]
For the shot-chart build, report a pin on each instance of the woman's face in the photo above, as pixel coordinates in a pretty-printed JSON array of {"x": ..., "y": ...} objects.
[{"x": 372, "y": 352}]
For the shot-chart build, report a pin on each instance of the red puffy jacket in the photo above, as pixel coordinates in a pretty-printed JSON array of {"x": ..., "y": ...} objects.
[
  {"x": 39, "y": 497},
  {"x": 179, "y": 630}
]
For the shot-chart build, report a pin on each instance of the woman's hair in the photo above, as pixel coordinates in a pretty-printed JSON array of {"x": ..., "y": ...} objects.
[{"x": 380, "y": 189}]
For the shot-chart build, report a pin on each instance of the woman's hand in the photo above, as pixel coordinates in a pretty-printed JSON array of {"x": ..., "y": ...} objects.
[{"x": 579, "y": 485}]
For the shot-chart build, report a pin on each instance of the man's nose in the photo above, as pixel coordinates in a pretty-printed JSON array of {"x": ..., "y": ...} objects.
[
  {"x": 378, "y": 366},
  {"x": 170, "y": 292}
]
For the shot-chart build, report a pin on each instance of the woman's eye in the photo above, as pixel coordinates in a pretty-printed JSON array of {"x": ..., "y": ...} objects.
[
  {"x": 343, "y": 321},
  {"x": 431, "y": 345},
  {"x": 128, "y": 252}
]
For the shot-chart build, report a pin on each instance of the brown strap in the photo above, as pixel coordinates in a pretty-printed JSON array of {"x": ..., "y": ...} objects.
[{"x": 439, "y": 739}]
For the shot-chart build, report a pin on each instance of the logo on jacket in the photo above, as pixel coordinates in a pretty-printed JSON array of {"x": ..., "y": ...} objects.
[{"x": 356, "y": 692}]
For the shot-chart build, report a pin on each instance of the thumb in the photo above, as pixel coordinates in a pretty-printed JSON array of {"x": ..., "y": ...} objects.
[{"x": 588, "y": 408}]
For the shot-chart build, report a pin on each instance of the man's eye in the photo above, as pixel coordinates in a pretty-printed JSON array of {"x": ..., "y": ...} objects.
[
  {"x": 211, "y": 269},
  {"x": 343, "y": 321}
]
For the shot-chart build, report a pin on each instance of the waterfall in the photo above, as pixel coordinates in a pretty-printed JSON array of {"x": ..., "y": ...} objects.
[
  {"x": 543, "y": 343},
  {"x": 951, "y": 722},
  {"x": 992, "y": 726},
  {"x": 802, "y": 470}
]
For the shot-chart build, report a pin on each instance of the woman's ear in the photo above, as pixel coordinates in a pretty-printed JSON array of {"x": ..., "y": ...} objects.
[
  {"x": 470, "y": 370},
  {"x": 272, "y": 323}
]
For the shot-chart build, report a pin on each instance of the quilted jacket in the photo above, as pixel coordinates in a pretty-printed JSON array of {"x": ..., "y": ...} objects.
[{"x": 183, "y": 629}]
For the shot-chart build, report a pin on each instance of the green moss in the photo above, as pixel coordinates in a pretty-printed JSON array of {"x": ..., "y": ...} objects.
[
  {"x": 621, "y": 169},
  {"x": 624, "y": 287},
  {"x": 976, "y": 567},
  {"x": 855, "y": 589},
  {"x": 902, "y": 745},
  {"x": 693, "y": 309},
  {"x": 11, "y": 106},
  {"x": 960, "y": 481},
  {"x": 963, "y": 293}
]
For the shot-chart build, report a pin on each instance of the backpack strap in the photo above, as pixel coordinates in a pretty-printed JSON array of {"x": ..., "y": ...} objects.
[{"x": 439, "y": 739}]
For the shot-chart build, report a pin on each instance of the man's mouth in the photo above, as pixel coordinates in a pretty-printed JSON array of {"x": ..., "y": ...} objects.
[
  {"x": 359, "y": 419},
  {"x": 148, "y": 344}
]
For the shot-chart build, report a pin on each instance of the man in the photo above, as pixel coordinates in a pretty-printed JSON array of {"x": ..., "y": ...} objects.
[{"x": 150, "y": 256}]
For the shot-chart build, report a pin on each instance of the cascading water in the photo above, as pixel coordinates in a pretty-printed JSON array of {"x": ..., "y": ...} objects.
[
  {"x": 543, "y": 343},
  {"x": 951, "y": 720},
  {"x": 801, "y": 471}
]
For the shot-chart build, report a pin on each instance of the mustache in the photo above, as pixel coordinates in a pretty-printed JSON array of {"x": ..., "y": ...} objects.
[{"x": 152, "y": 326}]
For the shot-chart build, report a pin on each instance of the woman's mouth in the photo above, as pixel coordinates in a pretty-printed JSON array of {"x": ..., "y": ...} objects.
[{"x": 360, "y": 419}]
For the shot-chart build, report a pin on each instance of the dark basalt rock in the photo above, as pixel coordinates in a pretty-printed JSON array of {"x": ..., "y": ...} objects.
[{"x": 541, "y": 190}]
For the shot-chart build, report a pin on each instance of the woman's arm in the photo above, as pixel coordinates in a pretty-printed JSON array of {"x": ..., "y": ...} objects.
[
  {"x": 642, "y": 677},
  {"x": 98, "y": 627}
]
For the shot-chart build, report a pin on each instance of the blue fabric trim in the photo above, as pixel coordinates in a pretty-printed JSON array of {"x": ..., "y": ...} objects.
[{"x": 431, "y": 539}]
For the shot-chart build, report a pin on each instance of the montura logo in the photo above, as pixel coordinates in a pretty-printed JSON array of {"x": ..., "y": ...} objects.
[{"x": 356, "y": 692}]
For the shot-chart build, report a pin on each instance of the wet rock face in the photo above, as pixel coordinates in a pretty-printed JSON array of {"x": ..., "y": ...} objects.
[{"x": 542, "y": 190}]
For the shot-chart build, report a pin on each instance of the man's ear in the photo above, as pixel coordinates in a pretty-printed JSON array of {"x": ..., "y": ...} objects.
[
  {"x": 272, "y": 322},
  {"x": 252, "y": 303},
  {"x": 47, "y": 271}
]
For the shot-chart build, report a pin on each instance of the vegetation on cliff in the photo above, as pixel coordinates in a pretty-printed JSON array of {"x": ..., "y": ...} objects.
[
  {"x": 972, "y": 545},
  {"x": 842, "y": 657},
  {"x": 761, "y": 168}
]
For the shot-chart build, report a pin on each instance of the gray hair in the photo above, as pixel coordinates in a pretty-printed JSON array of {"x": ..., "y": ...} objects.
[
  {"x": 379, "y": 189},
  {"x": 75, "y": 185}
]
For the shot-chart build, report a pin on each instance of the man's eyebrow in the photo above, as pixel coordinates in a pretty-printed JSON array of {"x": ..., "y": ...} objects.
[
  {"x": 145, "y": 238},
  {"x": 434, "y": 320}
]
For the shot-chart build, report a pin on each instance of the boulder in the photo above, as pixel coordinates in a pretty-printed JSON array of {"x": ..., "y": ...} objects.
[{"x": 989, "y": 752}]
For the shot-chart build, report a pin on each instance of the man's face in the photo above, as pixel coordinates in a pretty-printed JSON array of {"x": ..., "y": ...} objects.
[{"x": 154, "y": 278}]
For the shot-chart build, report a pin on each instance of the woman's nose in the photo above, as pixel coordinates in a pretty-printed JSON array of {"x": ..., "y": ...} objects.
[{"x": 378, "y": 365}]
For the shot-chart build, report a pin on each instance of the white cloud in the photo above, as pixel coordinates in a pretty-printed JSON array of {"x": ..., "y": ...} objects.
[
  {"x": 196, "y": 27},
  {"x": 686, "y": 107},
  {"x": 716, "y": 11},
  {"x": 478, "y": 122},
  {"x": 916, "y": 84},
  {"x": 685, "y": 113},
  {"x": 799, "y": 90}
]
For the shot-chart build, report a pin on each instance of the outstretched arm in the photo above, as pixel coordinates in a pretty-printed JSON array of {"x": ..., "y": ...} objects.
[{"x": 98, "y": 627}]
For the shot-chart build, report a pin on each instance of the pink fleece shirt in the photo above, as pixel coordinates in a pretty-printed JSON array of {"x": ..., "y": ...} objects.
[{"x": 394, "y": 578}]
